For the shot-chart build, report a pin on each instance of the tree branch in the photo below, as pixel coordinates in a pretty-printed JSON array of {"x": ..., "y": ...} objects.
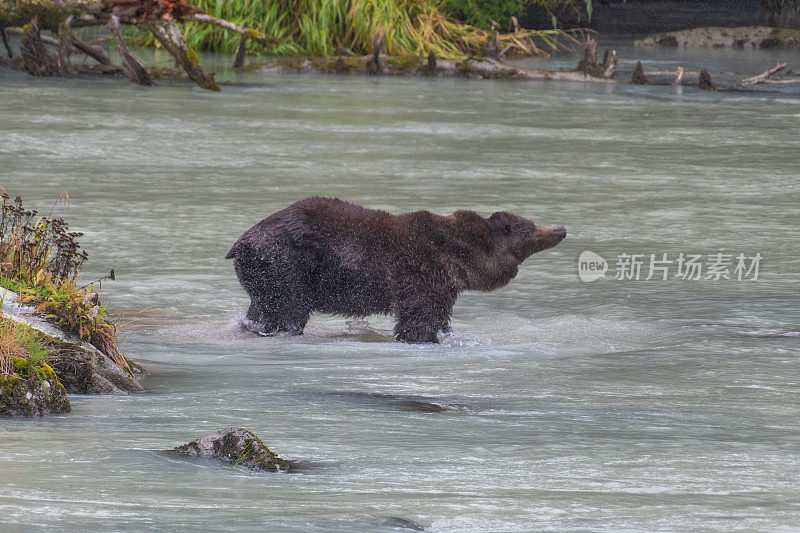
[
  {"x": 250, "y": 33},
  {"x": 131, "y": 65},
  {"x": 764, "y": 75},
  {"x": 168, "y": 33}
]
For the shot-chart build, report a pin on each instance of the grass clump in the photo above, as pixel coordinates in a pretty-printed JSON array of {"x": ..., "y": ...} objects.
[
  {"x": 28, "y": 385},
  {"x": 21, "y": 350},
  {"x": 40, "y": 260},
  {"x": 321, "y": 27}
]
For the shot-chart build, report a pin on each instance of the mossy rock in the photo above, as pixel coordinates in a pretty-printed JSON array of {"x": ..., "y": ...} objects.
[
  {"x": 34, "y": 390},
  {"x": 237, "y": 446},
  {"x": 84, "y": 370},
  {"x": 80, "y": 367}
]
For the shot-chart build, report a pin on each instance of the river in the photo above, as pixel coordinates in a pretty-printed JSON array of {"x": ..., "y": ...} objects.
[{"x": 557, "y": 404}]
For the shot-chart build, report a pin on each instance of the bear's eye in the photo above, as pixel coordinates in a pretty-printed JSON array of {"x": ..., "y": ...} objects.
[{"x": 507, "y": 229}]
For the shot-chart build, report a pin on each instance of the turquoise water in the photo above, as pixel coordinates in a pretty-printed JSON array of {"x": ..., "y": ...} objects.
[{"x": 610, "y": 405}]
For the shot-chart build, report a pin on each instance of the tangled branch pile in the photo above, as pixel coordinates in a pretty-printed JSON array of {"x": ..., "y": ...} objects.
[
  {"x": 295, "y": 27},
  {"x": 158, "y": 18}
]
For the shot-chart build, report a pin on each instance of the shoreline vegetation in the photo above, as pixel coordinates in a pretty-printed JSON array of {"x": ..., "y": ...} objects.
[
  {"x": 346, "y": 26},
  {"x": 40, "y": 262},
  {"x": 372, "y": 37},
  {"x": 327, "y": 27}
]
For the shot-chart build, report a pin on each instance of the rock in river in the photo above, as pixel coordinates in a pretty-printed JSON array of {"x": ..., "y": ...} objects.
[
  {"x": 82, "y": 368},
  {"x": 238, "y": 446},
  {"x": 34, "y": 394}
]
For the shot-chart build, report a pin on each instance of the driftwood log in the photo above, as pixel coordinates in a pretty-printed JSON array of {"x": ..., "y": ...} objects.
[
  {"x": 638, "y": 77},
  {"x": 470, "y": 68},
  {"x": 132, "y": 66},
  {"x": 431, "y": 61},
  {"x": 705, "y": 82},
  {"x": 492, "y": 48},
  {"x": 37, "y": 61},
  {"x": 678, "y": 79},
  {"x": 377, "y": 65},
  {"x": 589, "y": 65},
  {"x": 238, "y": 62},
  {"x": 764, "y": 76},
  {"x": 160, "y": 17}
]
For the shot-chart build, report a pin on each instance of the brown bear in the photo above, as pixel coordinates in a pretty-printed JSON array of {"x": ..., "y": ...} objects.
[{"x": 323, "y": 254}]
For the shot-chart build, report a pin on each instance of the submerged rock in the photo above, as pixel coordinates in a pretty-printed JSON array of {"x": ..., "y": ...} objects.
[
  {"x": 409, "y": 403},
  {"x": 37, "y": 394},
  {"x": 238, "y": 446},
  {"x": 398, "y": 523}
]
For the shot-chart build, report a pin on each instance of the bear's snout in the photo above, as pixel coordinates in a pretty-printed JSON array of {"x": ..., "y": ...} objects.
[
  {"x": 548, "y": 236},
  {"x": 559, "y": 232}
]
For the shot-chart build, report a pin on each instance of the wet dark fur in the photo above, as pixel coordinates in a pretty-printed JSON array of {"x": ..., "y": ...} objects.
[{"x": 326, "y": 255}]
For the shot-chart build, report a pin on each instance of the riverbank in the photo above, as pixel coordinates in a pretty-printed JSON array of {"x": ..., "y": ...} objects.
[
  {"x": 37, "y": 380},
  {"x": 740, "y": 38},
  {"x": 56, "y": 336}
]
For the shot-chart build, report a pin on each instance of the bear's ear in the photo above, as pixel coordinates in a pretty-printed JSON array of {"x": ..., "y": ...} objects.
[{"x": 500, "y": 223}]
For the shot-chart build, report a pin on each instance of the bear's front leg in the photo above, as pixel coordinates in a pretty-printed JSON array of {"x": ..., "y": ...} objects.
[{"x": 420, "y": 317}]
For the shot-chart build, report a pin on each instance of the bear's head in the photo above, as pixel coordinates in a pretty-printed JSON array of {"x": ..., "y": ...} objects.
[
  {"x": 520, "y": 237},
  {"x": 512, "y": 239}
]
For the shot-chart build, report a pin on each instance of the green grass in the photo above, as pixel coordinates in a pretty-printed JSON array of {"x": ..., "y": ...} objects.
[
  {"x": 21, "y": 349},
  {"x": 40, "y": 260},
  {"x": 320, "y": 27}
]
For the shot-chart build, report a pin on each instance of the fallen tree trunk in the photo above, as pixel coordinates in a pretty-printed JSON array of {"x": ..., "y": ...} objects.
[
  {"x": 93, "y": 12},
  {"x": 37, "y": 60},
  {"x": 589, "y": 65},
  {"x": 472, "y": 68},
  {"x": 168, "y": 33},
  {"x": 131, "y": 65}
]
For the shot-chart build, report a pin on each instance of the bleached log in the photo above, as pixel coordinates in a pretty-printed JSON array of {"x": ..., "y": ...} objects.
[
  {"x": 131, "y": 65},
  {"x": 781, "y": 82},
  {"x": 168, "y": 33},
  {"x": 761, "y": 78},
  {"x": 678, "y": 76},
  {"x": 250, "y": 33},
  {"x": 611, "y": 65}
]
